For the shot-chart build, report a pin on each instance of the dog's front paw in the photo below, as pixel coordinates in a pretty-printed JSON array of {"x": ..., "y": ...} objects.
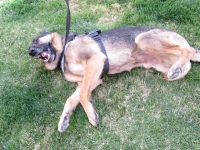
[
  {"x": 93, "y": 118},
  {"x": 64, "y": 122}
]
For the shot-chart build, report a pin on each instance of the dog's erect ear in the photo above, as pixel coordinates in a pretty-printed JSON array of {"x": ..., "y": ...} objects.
[{"x": 45, "y": 32}]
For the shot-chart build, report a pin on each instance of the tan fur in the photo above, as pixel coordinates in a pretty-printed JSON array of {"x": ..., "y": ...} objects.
[
  {"x": 57, "y": 43},
  {"x": 163, "y": 50}
]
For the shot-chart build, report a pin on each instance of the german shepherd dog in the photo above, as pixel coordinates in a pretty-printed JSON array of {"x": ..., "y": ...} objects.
[{"x": 126, "y": 48}]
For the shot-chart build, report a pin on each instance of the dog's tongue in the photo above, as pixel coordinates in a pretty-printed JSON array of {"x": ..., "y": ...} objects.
[{"x": 45, "y": 54}]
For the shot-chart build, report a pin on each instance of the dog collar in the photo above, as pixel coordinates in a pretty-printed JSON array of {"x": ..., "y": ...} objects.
[{"x": 95, "y": 35}]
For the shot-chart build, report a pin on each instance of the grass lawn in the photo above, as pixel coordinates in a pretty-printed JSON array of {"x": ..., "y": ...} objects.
[{"x": 137, "y": 109}]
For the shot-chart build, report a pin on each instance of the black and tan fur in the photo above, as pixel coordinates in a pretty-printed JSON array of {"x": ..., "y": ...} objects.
[{"x": 126, "y": 47}]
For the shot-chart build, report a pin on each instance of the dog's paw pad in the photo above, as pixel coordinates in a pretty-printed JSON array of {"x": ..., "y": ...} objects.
[
  {"x": 94, "y": 119},
  {"x": 175, "y": 73},
  {"x": 64, "y": 123}
]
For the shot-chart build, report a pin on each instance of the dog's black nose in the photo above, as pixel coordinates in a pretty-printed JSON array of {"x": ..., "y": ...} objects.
[{"x": 31, "y": 50}]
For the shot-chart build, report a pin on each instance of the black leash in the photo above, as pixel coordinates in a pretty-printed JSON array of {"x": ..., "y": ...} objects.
[
  {"x": 67, "y": 24},
  {"x": 62, "y": 57}
]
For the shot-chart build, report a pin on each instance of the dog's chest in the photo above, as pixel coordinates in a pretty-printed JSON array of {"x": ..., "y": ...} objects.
[
  {"x": 73, "y": 72},
  {"x": 76, "y": 69}
]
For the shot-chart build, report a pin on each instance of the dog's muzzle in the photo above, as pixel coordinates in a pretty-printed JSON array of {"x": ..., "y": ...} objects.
[{"x": 46, "y": 53}]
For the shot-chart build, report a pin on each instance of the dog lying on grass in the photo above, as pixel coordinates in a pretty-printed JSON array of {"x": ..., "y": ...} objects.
[{"x": 82, "y": 61}]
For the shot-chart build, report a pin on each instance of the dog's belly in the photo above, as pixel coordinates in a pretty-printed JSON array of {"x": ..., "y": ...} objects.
[
  {"x": 119, "y": 60},
  {"x": 125, "y": 67},
  {"x": 126, "y": 60}
]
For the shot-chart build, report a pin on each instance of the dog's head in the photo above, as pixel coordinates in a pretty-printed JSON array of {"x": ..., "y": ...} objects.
[
  {"x": 48, "y": 48},
  {"x": 42, "y": 47}
]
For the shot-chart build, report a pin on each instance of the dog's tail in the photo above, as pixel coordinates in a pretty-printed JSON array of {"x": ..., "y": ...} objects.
[{"x": 196, "y": 57}]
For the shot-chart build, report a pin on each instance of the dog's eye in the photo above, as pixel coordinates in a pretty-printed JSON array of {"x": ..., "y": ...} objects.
[{"x": 35, "y": 41}]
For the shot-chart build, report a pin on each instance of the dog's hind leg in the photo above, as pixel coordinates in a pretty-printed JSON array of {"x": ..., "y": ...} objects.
[
  {"x": 196, "y": 57},
  {"x": 182, "y": 65},
  {"x": 178, "y": 73},
  {"x": 93, "y": 70},
  {"x": 70, "y": 105}
]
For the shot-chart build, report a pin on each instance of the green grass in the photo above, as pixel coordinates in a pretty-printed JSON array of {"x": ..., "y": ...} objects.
[{"x": 137, "y": 109}]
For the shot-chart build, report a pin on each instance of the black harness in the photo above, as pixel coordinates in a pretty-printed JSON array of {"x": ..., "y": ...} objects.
[{"x": 95, "y": 35}]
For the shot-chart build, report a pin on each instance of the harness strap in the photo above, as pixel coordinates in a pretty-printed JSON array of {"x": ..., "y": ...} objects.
[
  {"x": 62, "y": 57},
  {"x": 95, "y": 35},
  {"x": 62, "y": 60}
]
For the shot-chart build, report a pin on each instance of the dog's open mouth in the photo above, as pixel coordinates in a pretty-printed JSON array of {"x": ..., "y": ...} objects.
[{"x": 47, "y": 55}]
